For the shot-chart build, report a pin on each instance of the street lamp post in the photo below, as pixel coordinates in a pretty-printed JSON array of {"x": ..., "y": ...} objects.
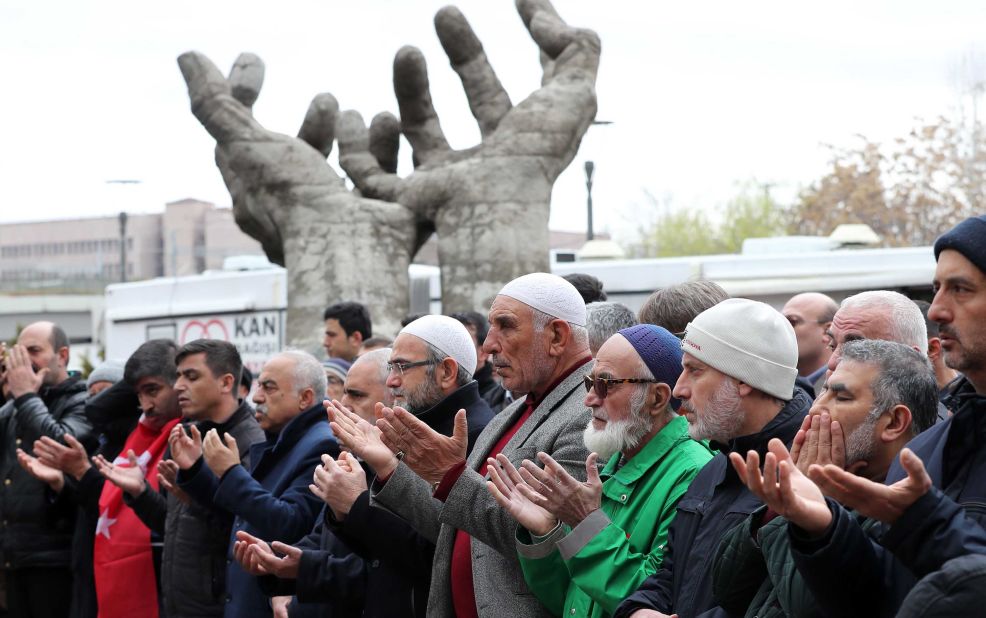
[
  {"x": 123, "y": 247},
  {"x": 589, "y": 170},
  {"x": 123, "y": 229}
]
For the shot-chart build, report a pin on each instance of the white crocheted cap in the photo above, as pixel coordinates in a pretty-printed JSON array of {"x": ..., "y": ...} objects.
[
  {"x": 549, "y": 294},
  {"x": 448, "y": 335}
]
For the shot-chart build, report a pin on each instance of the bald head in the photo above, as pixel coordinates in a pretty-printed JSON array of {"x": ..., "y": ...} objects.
[
  {"x": 811, "y": 314},
  {"x": 47, "y": 346}
]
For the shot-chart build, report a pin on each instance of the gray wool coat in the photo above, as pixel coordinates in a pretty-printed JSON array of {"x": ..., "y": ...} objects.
[{"x": 555, "y": 427}]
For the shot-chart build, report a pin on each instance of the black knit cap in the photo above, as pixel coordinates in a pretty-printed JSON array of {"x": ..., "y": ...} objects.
[{"x": 968, "y": 238}]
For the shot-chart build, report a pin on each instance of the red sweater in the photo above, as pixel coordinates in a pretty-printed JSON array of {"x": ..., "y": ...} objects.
[{"x": 463, "y": 593}]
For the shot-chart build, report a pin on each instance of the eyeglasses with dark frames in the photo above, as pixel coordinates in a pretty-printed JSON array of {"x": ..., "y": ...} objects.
[
  {"x": 601, "y": 385},
  {"x": 402, "y": 367}
]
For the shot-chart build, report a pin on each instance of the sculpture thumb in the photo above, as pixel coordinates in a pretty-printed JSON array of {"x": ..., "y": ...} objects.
[
  {"x": 42, "y": 373},
  {"x": 461, "y": 430},
  {"x": 132, "y": 457},
  {"x": 72, "y": 442},
  {"x": 230, "y": 441}
]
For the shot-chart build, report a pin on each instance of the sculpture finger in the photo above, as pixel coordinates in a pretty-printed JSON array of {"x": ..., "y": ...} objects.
[
  {"x": 246, "y": 78},
  {"x": 225, "y": 118},
  {"x": 419, "y": 122},
  {"x": 356, "y": 159},
  {"x": 385, "y": 140},
  {"x": 487, "y": 98},
  {"x": 568, "y": 47},
  {"x": 319, "y": 127}
]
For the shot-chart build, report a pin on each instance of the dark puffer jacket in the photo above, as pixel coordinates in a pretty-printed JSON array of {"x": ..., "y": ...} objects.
[
  {"x": 754, "y": 574},
  {"x": 193, "y": 567},
  {"x": 716, "y": 501},
  {"x": 34, "y": 532}
]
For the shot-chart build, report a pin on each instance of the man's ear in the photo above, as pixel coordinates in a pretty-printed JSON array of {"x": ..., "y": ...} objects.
[
  {"x": 658, "y": 397},
  {"x": 357, "y": 338},
  {"x": 934, "y": 349},
  {"x": 63, "y": 355},
  {"x": 447, "y": 370},
  {"x": 560, "y": 335},
  {"x": 229, "y": 383},
  {"x": 745, "y": 390},
  {"x": 307, "y": 399},
  {"x": 898, "y": 425}
]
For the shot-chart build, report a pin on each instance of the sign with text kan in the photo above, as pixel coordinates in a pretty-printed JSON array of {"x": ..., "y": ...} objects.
[{"x": 257, "y": 335}]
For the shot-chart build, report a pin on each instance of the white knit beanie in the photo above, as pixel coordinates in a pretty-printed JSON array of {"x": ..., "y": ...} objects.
[
  {"x": 548, "y": 294},
  {"x": 448, "y": 335},
  {"x": 749, "y": 341}
]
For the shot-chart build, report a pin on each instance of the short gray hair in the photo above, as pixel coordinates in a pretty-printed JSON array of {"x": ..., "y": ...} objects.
[
  {"x": 436, "y": 356},
  {"x": 308, "y": 373},
  {"x": 675, "y": 306},
  {"x": 605, "y": 319},
  {"x": 904, "y": 377},
  {"x": 379, "y": 357},
  {"x": 906, "y": 322},
  {"x": 580, "y": 335}
]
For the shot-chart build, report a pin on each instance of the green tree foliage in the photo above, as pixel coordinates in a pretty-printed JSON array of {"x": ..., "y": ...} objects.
[{"x": 680, "y": 231}]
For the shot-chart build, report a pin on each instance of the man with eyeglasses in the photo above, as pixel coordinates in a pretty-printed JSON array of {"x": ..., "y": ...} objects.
[
  {"x": 737, "y": 390},
  {"x": 431, "y": 366},
  {"x": 429, "y": 372},
  {"x": 585, "y": 546}
]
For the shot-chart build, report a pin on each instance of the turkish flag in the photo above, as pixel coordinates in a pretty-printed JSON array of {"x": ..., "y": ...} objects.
[{"x": 126, "y": 584}]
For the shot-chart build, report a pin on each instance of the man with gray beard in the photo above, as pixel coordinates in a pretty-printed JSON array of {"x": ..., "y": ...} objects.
[
  {"x": 585, "y": 546},
  {"x": 880, "y": 396},
  {"x": 737, "y": 390}
]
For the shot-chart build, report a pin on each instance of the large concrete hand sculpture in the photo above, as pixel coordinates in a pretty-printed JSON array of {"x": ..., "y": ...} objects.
[
  {"x": 490, "y": 203},
  {"x": 335, "y": 244}
]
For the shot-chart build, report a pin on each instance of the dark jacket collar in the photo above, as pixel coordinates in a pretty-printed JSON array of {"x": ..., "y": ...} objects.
[
  {"x": 243, "y": 412},
  {"x": 298, "y": 427},
  {"x": 67, "y": 387},
  {"x": 464, "y": 397},
  {"x": 782, "y": 426}
]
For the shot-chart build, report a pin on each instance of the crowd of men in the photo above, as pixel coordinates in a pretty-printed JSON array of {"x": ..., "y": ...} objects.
[{"x": 708, "y": 456}]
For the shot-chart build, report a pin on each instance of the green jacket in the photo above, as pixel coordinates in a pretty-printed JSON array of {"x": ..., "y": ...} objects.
[
  {"x": 754, "y": 573},
  {"x": 589, "y": 570}
]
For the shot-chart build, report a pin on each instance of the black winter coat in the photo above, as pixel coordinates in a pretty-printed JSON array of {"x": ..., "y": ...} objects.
[
  {"x": 113, "y": 414},
  {"x": 715, "y": 502},
  {"x": 34, "y": 531},
  {"x": 193, "y": 566}
]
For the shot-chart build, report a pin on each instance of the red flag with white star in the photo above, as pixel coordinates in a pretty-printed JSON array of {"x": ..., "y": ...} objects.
[{"x": 126, "y": 585}]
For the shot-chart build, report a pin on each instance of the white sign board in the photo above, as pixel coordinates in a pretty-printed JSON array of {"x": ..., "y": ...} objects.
[{"x": 257, "y": 335}]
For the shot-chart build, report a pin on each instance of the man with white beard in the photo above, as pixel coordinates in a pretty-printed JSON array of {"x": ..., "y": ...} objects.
[
  {"x": 737, "y": 389},
  {"x": 585, "y": 546}
]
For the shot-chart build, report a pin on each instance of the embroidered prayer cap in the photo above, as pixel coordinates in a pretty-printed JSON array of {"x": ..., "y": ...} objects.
[
  {"x": 448, "y": 335},
  {"x": 548, "y": 294}
]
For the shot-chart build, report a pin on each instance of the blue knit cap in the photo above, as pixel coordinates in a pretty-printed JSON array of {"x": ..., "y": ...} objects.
[
  {"x": 968, "y": 238},
  {"x": 660, "y": 351}
]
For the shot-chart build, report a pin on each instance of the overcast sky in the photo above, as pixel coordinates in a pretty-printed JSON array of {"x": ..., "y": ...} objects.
[{"x": 702, "y": 95}]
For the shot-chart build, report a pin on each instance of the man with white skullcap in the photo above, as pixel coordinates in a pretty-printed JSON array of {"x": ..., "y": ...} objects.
[
  {"x": 539, "y": 346},
  {"x": 737, "y": 390},
  {"x": 430, "y": 376}
]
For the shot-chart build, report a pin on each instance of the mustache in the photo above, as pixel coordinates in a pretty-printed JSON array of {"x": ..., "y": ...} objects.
[
  {"x": 946, "y": 329},
  {"x": 688, "y": 407},
  {"x": 261, "y": 409}
]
